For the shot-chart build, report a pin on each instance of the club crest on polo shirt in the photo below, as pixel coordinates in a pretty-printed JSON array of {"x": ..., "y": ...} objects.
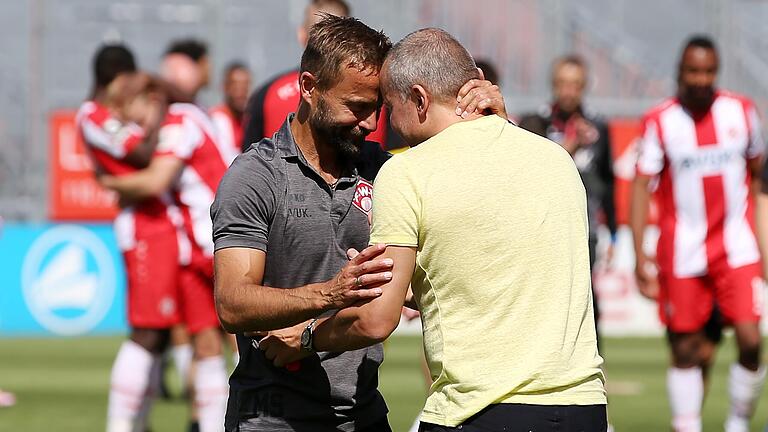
[{"x": 363, "y": 199}]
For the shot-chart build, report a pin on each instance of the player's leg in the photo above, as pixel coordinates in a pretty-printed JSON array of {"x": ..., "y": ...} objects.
[
  {"x": 713, "y": 330},
  {"x": 210, "y": 374},
  {"x": 129, "y": 384},
  {"x": 181, "y": 351},
  {"x": 151, "y": 269},
  {"x": 156, "y": 342},
  {"x": 684, "y": 306},
  {"x": 745, "y": 379},
  {"x": 739, "y": 293}
]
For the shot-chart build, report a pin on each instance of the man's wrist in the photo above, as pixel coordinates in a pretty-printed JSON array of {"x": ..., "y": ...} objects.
[
  {"x": 307, "y": 336},
  {"x": 319, "y": 301}
]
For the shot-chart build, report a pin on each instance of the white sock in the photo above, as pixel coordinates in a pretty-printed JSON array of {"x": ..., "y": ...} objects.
[
  {"x": 744, "y": 387},
  {"x": 128, "y": 386},
  {"x": 153, "y": 389},
  {"x": 686, "y": 394},
  {"x": 182, "y": 359},
  {"x": 211, "y": 391}
]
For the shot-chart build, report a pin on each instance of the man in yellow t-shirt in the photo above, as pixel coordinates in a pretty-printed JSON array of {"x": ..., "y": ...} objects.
[{"x": 488, "y": 223}]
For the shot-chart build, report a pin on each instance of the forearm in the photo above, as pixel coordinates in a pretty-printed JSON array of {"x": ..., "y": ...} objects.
[
  {"x": 142, "y": 154},
  {"x": 259, "y": 308},
  {"x": 761, "y": 221},
  {"x": 147, "y": 183},
  {"x": 347, "y": 331},
  {"x": 638, "y": 217},
  {"x": 137, "y": 186},
  {"x": 369, "y": 322}
]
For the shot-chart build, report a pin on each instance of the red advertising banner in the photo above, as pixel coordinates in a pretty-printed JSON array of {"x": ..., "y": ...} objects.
[{"x": 73, "y": 193}]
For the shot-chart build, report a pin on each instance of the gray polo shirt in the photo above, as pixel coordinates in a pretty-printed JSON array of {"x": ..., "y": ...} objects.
[{"x": 271, "y": 199}]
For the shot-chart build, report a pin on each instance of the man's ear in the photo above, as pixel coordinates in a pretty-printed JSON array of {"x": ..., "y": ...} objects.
[
  {"x": 307, "y": 86},
  {"x": 420, "y": 99},
  {"x": 482, "y": 75}
]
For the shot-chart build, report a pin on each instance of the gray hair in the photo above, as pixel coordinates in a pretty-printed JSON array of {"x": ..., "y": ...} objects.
[{"x": 432, "y": 58}]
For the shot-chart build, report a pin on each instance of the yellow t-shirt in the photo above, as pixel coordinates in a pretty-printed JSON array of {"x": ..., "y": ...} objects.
[{"x": 498, "y": 216}]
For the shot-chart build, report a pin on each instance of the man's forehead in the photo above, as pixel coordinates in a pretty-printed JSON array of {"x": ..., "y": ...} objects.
[
  {"x": 359, "y": 84},
  {"x": 698, "y": 55}
]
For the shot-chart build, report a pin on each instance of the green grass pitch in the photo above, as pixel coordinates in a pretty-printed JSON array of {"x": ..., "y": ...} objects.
[{"x": 61, "y": 385}]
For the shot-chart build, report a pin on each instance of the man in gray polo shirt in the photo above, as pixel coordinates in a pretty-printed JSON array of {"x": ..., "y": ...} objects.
[
  {"x": 300, "y": 197},
  {"x": 285, "y": 216}
]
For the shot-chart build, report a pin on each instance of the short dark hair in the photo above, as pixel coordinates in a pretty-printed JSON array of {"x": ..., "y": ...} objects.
[
  {"x": 432, "y": 58},
  {"x": 233, "y": 66},
  {"x": 323, "y": 4},
  {"x": 110, "y": 61},
  {"x": 699, "y": 41},
  {"x": 336, "y": 42},
  {"x": 192, "y": 48}
]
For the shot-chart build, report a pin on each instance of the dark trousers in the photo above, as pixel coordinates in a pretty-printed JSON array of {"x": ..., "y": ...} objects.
[
  {"x": 380, "y": 426},
  {"x": 530, "y": 418}
]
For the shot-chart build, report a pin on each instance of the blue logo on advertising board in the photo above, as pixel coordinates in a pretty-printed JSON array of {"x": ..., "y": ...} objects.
[{"x": 70, "y": 281}]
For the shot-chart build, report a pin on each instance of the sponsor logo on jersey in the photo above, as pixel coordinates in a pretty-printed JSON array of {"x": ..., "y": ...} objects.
[{"x": 707, "y": 161}]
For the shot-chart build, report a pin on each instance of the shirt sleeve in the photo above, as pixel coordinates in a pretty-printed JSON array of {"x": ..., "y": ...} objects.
[
  {"x": 396, "y": 206},
  {"x": 650, "y": 155},
  {"x": 115, "y": 138},
  {"x": 245, "y": 204}
]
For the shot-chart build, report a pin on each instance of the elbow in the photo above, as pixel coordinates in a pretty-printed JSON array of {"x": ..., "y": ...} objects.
[
  {"x": 228, "y": 320},
  {"x": 377, "y": 329},
  {"x": 229, "y": 317}
]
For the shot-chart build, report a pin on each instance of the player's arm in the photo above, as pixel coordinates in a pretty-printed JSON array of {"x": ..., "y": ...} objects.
[
  {"x": 141, "y": 155},
  {"x": 638, "y": 220},
  {"x": 370, "y": 322},
  {"x": 759, "y": 187},
  {"x": 244, "y": 304},
  {"x": 149, "y": 182},
  {"x": 760, "y": 192},
  {"x": 650, "y": 163}
]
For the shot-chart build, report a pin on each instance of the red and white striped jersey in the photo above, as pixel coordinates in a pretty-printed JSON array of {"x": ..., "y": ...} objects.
[
  {"x": 706, "y": 212},
  {"x": 188, "y": 134},
  {"x": 109, "y": 141},
  {"x": 230, "y": 131}
]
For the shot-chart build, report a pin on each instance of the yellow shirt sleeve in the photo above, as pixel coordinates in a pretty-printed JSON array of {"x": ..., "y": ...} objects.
[{"x": 396, "y": 207}]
